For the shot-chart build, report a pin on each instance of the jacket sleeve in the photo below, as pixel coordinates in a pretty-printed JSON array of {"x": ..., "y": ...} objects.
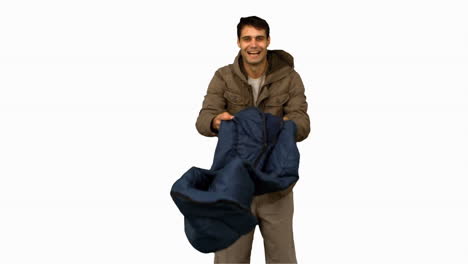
[
  {"x": 213, "y": 104},
  {"x": 296, "y": 107}
]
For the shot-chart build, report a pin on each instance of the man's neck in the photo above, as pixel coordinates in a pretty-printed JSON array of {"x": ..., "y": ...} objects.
[{"x": 255, "y": 71}]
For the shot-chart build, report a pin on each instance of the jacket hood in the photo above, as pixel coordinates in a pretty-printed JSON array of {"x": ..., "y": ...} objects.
[{"x": 280, "y": 64}]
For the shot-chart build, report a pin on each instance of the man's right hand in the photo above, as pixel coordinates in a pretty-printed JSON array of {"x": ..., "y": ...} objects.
[{"x": 217, "y": 120}]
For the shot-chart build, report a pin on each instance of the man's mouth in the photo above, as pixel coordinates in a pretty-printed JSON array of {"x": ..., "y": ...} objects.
[{"x": 253, "y": 52}]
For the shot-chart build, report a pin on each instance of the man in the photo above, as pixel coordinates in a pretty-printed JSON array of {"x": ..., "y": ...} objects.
[{"x": 265, "y": 79}]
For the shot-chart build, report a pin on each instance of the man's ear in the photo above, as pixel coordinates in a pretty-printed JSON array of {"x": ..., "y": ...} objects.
[
  {"x": 268, "y": 41},
  {"x": 238, "y": 43}
]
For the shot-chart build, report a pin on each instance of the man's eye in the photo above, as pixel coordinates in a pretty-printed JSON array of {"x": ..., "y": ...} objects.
[
  {"x": 260, "y": 38},
  {"x": 246, "y": 39}
]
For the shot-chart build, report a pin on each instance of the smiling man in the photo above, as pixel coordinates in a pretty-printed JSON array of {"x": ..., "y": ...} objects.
[{"x": 265, "y": 79}]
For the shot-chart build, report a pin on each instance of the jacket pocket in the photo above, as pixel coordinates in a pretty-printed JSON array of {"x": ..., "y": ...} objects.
[
  {"x": 234, "y": 98},
  {"x": 235, "y": 102},
  {"x": 274, "y": 104},
  {"x": 277, "y": 100}
]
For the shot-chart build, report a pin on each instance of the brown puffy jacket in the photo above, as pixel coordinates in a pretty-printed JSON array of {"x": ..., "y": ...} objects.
[{"x": 282, "y": 94}]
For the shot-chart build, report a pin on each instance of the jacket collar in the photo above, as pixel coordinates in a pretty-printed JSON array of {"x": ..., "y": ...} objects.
[{"x": 280, "y": 64}]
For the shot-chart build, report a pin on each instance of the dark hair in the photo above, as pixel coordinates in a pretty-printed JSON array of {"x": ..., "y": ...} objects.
[{"x": 255, "y": 22}]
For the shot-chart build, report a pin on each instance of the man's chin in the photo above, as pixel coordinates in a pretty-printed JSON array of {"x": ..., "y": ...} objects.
[{"x": 254, "y": 62}]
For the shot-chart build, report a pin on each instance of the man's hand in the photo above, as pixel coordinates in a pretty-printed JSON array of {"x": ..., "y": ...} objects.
[
  {"x": 217, "y": 120},
  {"x": 285, "y": 118}
]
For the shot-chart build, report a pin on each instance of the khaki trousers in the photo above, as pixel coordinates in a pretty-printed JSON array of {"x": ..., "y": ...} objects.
[{"x": 274, "y": 212}]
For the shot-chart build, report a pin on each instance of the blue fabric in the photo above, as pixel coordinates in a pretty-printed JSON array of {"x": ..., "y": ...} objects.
[{"x": 256, "y": 154}]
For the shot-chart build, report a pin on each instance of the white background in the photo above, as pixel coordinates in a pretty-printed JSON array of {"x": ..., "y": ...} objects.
[{"x": 98, "y": 102}]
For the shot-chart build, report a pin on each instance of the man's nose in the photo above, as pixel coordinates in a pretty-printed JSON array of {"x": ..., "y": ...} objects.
[{"x": 253, "y": 43}]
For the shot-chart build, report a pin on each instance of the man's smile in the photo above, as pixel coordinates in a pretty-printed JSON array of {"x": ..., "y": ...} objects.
[{"x": 253, "y": 54}]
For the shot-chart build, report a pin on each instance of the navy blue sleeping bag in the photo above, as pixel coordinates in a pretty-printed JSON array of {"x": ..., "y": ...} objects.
[{"x": 256, "y": 154}]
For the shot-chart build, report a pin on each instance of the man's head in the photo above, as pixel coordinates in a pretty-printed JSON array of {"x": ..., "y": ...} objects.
[
  {"x": 253, "y": 38},
  {"x": 255, "y": 22}
]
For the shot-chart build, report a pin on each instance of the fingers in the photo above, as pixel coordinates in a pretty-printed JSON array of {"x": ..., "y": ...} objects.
[
  {"x": 225, "y": 116},
  {"x": 216, "y": 123},
  {"x": 219, "y": 118}
]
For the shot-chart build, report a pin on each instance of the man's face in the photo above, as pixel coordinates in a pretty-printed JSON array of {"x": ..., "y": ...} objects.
[{"x": 253, "y": 44}]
